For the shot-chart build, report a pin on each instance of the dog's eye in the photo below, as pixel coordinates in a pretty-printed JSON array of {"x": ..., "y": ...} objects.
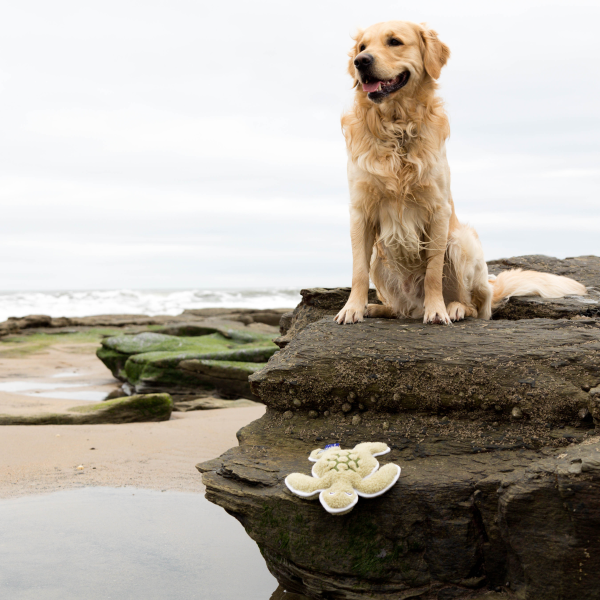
[
  {"x": 395, "y": 42},
  {"x": 362, "y": 47}
]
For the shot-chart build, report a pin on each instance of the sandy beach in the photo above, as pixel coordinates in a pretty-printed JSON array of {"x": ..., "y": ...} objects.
[{"x": 38, "y": 377}]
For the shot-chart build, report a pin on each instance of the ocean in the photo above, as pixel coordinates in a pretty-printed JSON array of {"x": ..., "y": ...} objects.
[{"x": 146, "y": 302}]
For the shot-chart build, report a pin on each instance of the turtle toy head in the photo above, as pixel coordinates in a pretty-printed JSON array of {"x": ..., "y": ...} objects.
[{"x": 340, "y": 498}]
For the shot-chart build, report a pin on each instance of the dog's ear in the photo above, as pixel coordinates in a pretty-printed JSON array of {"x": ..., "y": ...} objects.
[
  {"x": 435, "y": 53},
  {"x": 353, "y": 52}
]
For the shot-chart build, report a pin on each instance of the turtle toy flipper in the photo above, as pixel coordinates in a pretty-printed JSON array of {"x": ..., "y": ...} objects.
[
  {"x": 380, "y": 482},
  {"x": 375, "y": 448},
  {"x": 341, "y": 476},
  {"x": 305, "y": 485}
]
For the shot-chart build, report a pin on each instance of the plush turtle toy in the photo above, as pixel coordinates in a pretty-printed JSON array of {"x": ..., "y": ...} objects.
[{"x": 341, "y": 476}]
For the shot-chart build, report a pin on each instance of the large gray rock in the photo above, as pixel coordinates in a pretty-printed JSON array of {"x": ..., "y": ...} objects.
[
  {"x": 476, "y": 369},
  {"x": 585, "y": 269},
  {"x": 321, "y": 302},
  {"x": 452, "y": 527},
  {"x": 492, "y": 424},
  {"x": 316, "y": 303}
]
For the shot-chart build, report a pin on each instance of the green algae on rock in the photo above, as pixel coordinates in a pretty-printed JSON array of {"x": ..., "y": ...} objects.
[
  {"x": 222, "y": 360},
  {"x": 130, "y": 409}
]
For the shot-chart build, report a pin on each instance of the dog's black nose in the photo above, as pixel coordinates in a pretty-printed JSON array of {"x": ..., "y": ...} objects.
[{"x": 362, "y": 61}]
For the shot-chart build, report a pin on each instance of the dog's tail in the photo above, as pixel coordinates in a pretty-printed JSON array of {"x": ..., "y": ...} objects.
[{"x": 517, "y": 282}]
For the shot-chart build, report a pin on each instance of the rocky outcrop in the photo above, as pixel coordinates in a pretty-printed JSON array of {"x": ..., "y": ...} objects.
[
  {"x": 491, "y": 422},
  {"x": 481, "y": 370},
  {"x": 323, "y": 302},
  {"x": 585, "y": 269},
  {"x": 260, "y": 320},
  {"x": 316, "y": 304},
  {"x": 221, "y": 360},
  {"x": 203, "y": 356},
  {"x": 211, "y": 403},
  {"x": 14, "y": 325},
  {"x": 247, "y": 316},
  {"x": 452, "y": 527},
  {"x": 131, "y": 409}
]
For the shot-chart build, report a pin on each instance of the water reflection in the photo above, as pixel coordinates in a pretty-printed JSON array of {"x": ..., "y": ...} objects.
[{"x": 127, "y": 544}]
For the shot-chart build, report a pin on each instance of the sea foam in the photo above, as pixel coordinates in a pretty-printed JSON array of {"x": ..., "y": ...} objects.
[{"x": 171, "y": 302}]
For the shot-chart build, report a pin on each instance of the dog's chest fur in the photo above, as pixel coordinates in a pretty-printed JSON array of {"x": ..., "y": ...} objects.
[
  {"x": 400, "y": 221},
  {"x": 401, "y": 234},
  {"x": 398, "y": 183}
]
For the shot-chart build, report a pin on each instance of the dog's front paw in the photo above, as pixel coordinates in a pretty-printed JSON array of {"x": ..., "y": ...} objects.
[
  {"x": 437, "y": 314},
  {"x": 456, "y": 311},
  {"x": 351, "y": 313}
]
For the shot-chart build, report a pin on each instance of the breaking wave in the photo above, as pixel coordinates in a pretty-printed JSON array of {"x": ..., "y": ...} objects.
[{"x": 141, "y": 302}]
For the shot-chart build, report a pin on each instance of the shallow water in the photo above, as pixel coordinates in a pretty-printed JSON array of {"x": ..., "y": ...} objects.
[
  {"x": 33, "y": 385},
  {"x": 126, "y": 543},
  {"x": 38, "y": 389},
  {"x": 83, "y": 395}
]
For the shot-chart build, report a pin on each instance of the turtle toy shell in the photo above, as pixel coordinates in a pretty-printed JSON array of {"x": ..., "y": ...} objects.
[{"x": 340, "y": 477}]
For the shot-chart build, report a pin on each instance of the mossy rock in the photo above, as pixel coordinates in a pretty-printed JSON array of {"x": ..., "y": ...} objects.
[
  {"x": 130, "y": 409},
  {"x": 158, "y": 342},
  {"x": 221, "y": 360}
]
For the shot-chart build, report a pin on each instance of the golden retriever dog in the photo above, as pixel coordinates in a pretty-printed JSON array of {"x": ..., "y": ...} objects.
[{"x": 405, "y": 234}]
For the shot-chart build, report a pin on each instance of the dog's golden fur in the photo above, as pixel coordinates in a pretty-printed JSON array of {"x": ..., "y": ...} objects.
[{"x": 405, "y": 234}]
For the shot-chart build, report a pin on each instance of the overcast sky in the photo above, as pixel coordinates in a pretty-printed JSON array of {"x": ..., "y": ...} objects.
[{"x": 195, "y": 144}]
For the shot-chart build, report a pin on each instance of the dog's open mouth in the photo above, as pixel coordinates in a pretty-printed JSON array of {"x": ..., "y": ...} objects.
[{"x": 378, "y": 89}]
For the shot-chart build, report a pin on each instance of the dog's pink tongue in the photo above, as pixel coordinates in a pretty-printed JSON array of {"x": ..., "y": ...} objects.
[{"x": 371, "y": 87}]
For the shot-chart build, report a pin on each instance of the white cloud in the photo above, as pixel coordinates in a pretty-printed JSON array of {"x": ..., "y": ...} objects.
[
  {"x": 528, "y": 221},
  {"x": 141, "y": 130}
]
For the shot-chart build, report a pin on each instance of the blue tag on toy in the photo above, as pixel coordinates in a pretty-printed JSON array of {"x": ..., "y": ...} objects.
[{"x": 336, "y": 445}]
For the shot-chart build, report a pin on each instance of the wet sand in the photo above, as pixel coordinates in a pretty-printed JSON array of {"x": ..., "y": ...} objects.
[{"x": 45, "y": 458}]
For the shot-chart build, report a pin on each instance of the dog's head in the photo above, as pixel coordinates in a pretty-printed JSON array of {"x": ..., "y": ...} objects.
[{"x": 389, "y": 57}]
